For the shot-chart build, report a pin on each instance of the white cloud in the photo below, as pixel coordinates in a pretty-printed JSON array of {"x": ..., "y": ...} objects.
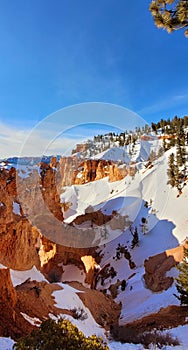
[
  {"x": 16, "y": 142},
  {"x": 54, "y": 134}
]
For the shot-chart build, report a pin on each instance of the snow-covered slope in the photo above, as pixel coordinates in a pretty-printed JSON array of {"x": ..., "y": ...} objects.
[
  {"x": 140, "y": 152},
  {"x": 166, "y": 228},
  {"x": 166, "y": 225}
]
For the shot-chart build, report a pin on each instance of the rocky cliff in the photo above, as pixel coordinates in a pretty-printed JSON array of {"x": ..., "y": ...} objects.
[
  {"x": 12, "y": 323},
  {"x": 94, "y": 169},
  {"x": 157, "y": 266}
]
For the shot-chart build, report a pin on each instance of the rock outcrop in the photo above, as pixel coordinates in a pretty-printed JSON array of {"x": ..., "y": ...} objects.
[
  {"x": 67, "y": 166},
  {"x": 157, "y": 266},
  {"x": 49, "y": 189},
  {"x": 94, "y": 169},
  {"x": 12, "y": 323},
  {"x": 18, "y": 237},
  {"x": 53, "y": 269},
  {"x": 104, "y": 309},
  {"x": 166, "y": 318},
  {"x": 155, "y": 272}
]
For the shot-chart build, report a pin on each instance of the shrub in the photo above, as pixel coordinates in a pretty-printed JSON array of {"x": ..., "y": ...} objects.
[
  {"x": 79, "y": 314},
  {"x": 159, "y": 339},
  {"x": 123, "y": 285},
  {"x": 59, "y": 335}
]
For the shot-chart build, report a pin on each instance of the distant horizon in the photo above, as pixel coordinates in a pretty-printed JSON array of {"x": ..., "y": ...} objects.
[
  {"x": 70, "y": 137},
  {"x": 53, "y": 135}
]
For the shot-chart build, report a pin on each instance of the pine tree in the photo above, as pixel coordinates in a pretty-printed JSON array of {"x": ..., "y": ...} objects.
[
  {"x": 164, "y": 145},
  {"x": 170, "y": 17},
  {"x": 181, "y": 155},
  {"x": 171, "y": 172},
  {"x": 135, "y": 240},
  {"x": 182, "y": 279},
  {"x": 177, "y": 177}
]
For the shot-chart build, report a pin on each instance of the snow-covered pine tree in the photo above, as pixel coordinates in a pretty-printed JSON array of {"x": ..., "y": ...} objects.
[{"x": 182, "y": 279}]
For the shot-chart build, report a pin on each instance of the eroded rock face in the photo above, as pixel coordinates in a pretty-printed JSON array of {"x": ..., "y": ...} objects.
[
  {"x": 157, "y": 266},
  {"x": 53, "y": 269},
  {"x": 17, "y": 246},
  {"x": 18, "y": 237},
  {"x": 67, "y": 167},
  {"x": 94, "y": 169},
  {"x": 104, "y": 309},
  {"x": 166, "y": 318},
  {"x": 155, "y": 272},
  {"x": 12, "y": 324},
  {"x": 96, "y": 217},
  {"x": 49, "y": 188},
  {"x": 90, "y": 265},
  {"x": 8, "y": 294}
]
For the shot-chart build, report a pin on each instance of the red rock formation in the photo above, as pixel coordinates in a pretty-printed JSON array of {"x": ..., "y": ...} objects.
[
  {"x": 95, "y": 217},
  {"x": 49, "y": 190},
  {"x": 82, "y": 147},
  {"x": 67, "y": 166},
  {"x": 164, "y": 319},
  {"x": 155, "y": 271},
  {"x": 18, "y": 239},
  {"x": 94, "y": 169},
  {"x": 157, "y": 266},
  {"x": 104, "y": 309},
  {"x": 12, "y": 324},
  {"x": 68, "y": 255}
]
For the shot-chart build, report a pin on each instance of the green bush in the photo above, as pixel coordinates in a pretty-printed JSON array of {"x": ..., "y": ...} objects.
[{"x": 60, "y": 335}]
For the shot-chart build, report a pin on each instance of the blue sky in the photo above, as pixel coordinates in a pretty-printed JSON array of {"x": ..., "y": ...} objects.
[{"x": 65, "y": 52}]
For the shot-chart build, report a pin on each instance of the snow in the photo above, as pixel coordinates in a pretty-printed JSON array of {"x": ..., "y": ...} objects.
[
  {"x": 67, "y": 298},
  {"x": 138, "y": 301},
  {"x": 167, "y": 222},
  {"x": 19, "y": 277},
  {"x": 180, "y": 332},
  {"x": 165, "y": 227},
  {"x": 33, "y": 320},
  {"x": 2, "y": 266},
  {"x": 115, "y": 154},
  {"x": 16, "y": 208},
  {"x": 103, "y": 195},
  {"x": 126, "y": 346},
  {"x": 6, "y": 343},
  {"x": 24, "y": 171}
]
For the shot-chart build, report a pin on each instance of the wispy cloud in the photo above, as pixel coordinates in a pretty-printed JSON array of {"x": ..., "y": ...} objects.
[
  {"x": 16, "y": 142},
  {"x": 165, "y": 104}
]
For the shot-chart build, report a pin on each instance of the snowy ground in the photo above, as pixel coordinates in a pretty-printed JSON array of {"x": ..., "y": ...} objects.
[
  {"x": 6, "y": 343},
  {"x": 166, "y": 228}
]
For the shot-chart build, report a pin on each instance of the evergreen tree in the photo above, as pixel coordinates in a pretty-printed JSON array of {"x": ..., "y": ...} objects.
[
  {"x": 178, "y": 179},
  {"x": 123, "y": 285},
  {"x": 154, "y": 127},
  {"x": 144, "y": 225},
  {"x": 170, "y": 14},
  {"x": 172, "y": 170},
  {"x": 135, "y": 240},
  {"x": 182, "y": 279},
  {"x": 181, "y": 154},
  {"x": 164, "y": 145}
]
